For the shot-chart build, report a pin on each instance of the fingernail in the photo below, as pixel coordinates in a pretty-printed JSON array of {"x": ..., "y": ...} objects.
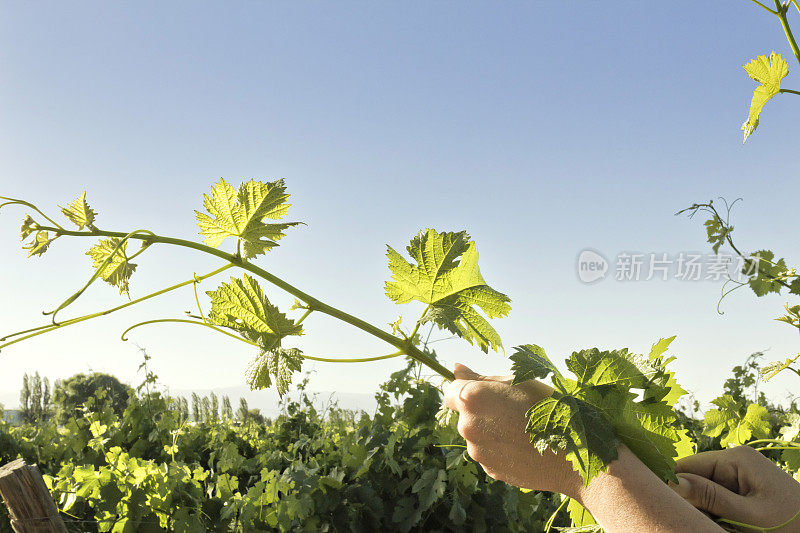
[{"x": 683, "y": 487}]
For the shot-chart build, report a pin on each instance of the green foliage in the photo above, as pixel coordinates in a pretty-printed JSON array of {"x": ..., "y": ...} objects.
[
  {"x": 448, "y": 280},
  {"x": 309, "y": 470},
  {"x": 79, "y": 212},
  {"x": 277, "y": 364},
  {"x": 768, "y": 72},
  {"x": 242, "y": 305},
  {"x": 768, "y": 273},
  {"x": 39, "y": 244},
  {"x": 589, "y": 416},
  {"x": 242, "y": 214},
  {"x": 733, "y": 427},
  {"x": 109, "y": 257},
  {"x": 92, "y": 392}
]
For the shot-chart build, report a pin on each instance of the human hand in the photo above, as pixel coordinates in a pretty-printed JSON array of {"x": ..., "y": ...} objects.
[
  {"x": 742, "y": 485},
  {"x": 492, "y": 420}
]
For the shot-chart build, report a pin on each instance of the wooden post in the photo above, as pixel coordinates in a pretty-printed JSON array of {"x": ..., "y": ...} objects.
[{"x": 29, "y": 503}]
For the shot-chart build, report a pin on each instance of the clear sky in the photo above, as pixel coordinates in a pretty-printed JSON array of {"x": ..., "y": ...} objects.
[{"x": 541, "y": 128}]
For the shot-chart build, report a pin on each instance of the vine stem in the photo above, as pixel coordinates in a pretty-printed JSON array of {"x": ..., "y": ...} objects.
[
  {"x": 313, "y": 303},
  {"x": 756, "y": 2},
  {"x": 229, "y": 334},
  {"x": 761, "y": 529},
  {"x": 769, "y": 441},
  {"x": 46, "y": 329},
  {"x": 781, "y": 13}
]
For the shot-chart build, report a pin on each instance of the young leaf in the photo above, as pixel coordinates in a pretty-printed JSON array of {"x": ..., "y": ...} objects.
[
  {"x": 28, "y": 226},
  {"x": 717, "y": 233},
  {"x": 732, "y": 428},
  {"x": 241, "y": 214},
  {"x": 764, "y": 271},
  {"x": 617, "y": 367},
  {"x": 769, "y": 73},
  {"x": 794, "y": 286},
  {"x": 566, "y": 422},
  {"x": 279, "y": 364},
  {"x": 531, "y": 362},
  {"x": 242, "y": 305},
  {"x": 658, "y": 349},
  {"x": 579, "y": 515},
  {"x": 648, "y": 429},
  {"x": 118, "y": 270},
  {"x": 447, "y": 278},
  {"x": 39, "y": 244},
  {"x": 770, "y": 370},
  {"x": 79, "y": 212}
]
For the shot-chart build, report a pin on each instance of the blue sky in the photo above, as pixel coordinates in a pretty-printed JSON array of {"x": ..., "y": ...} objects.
[{"x": 541, "y": 128}]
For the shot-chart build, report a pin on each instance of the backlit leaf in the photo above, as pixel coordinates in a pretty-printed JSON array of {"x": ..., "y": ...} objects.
[
  {"x": 531, "y": 362},
  {"x": 39, "y": 244},
  {"x": 79, "y": 212},
  {"x": 242, "y": 305},
  {"x": 242, "y": 214},
  {"x": 277, "y": 364},
  {"x": 768, "y": 72},
  {"x": 117, "y": 270},
  {"x": 447, "y": 278}
]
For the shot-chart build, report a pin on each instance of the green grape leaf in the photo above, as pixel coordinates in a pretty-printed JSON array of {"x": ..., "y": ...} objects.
[
  {"x": 792, "y": 459},
  {"x": 28, "y": 226},
  {"x": 579, "y": 515},
  {"x": 448, "y": 279},
  {"x": 764, "y": 271},
  {"x": 768, "y": 72},
  {"x": 278, "y": 364},
  {"x": 794, "y": 286},
  {"x": 772, "y": 369},
  {"x": 648, "y": 429},
  {"x": 717, "y": 233},
  {"x": 567, "y": 422},
  {"x": 662, "y": 386},
  {"x": 445, "y": 416},
  {"x": 617, "y": 367},
  {"x": 430, "y": 487},
  {"x": 242, "y": 214},
  {"x": 242, "y": 305},
  {"x": 79, "y": 212},
  {"x": 733, "y": 428},
  {"x": 658, "y": 349},
  {"x": 531, "y": 362},
  {"x": 39, "y": 244},
  {"x": 118, "y": 270},
  {"x": 588, "y": 418}
]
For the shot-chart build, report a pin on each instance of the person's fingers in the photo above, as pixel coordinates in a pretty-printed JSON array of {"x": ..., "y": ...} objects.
[
  {"x": 716, "y": 465},
  {"x": 464, "y": 372},
  {"x": 712, "y": 497},
  {"x": 453, "y": 394}
]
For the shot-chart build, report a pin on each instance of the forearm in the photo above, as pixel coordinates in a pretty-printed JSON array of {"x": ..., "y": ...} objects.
[{"x": 630, "y": 498}]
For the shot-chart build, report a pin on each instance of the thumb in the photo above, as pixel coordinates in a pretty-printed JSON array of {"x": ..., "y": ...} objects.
[
  {"x": 708, "y": 496},
  {"x": 463, "y": 372}
]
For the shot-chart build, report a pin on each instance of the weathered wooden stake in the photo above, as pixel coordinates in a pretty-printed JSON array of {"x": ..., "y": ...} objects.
[{"x": 28, "y": 501}]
